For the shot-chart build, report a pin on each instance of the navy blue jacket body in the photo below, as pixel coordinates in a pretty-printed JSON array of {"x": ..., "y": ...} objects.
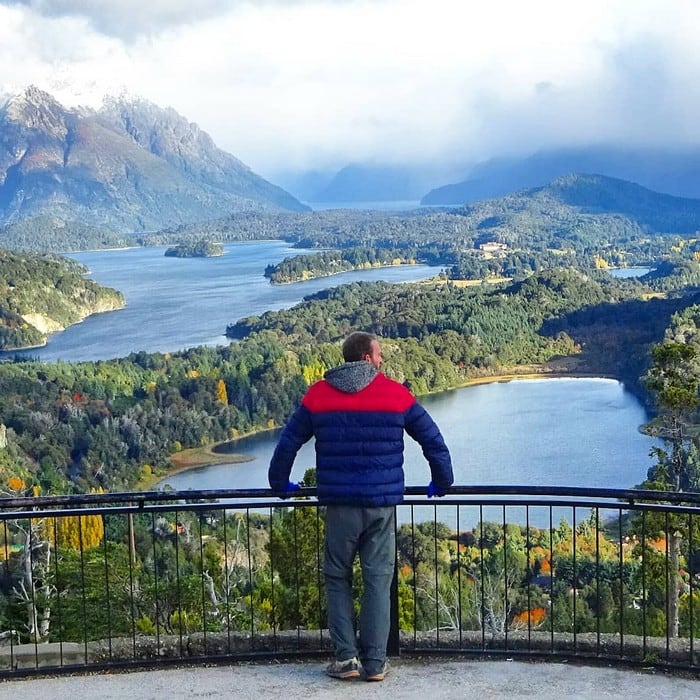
[{"x": 360, "y": 440}]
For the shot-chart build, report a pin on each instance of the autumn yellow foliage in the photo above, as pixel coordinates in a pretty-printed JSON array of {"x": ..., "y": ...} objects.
[
  {"x": 313, "y": 372},
  {"x": 76, "y": 532},
  {"x": 221, "y": 393},
  {"x": 16, "y": 483}
]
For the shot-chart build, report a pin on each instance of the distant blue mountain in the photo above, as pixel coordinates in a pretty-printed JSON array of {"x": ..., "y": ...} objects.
[
  {"x": 378, "y": 183},
  {"x": 675, "y": 172}
]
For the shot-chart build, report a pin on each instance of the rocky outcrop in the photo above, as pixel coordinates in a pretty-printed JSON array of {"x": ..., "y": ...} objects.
[
  {"x": 42, "y": 323},
  {"x": 45, "y": 324}
]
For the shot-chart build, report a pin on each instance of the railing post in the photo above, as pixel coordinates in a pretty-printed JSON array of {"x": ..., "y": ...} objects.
[{"x": 393, "y": 644}]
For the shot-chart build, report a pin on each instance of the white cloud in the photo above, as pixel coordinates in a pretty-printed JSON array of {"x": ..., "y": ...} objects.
[
  {"x": 127, "y": 18},
  {"x": 304, "y": 83}
]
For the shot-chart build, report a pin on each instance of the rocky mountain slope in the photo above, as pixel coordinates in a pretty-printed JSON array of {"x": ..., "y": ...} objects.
[{"x": 130, "y": 166}]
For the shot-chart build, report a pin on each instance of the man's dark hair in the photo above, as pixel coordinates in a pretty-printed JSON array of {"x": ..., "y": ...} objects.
[{"x": 357, "y": 345}]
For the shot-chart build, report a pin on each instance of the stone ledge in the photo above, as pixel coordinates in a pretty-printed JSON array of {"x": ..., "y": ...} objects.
[{"x": 145, "y": 649}]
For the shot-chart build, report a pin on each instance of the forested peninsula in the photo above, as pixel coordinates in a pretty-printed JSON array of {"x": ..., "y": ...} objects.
[
  {"x": 42, "y": 295},
  {"x": 305, "y": 267}
]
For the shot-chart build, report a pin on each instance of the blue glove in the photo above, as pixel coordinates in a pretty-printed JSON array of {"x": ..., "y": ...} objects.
[
  {"x": 290, "y": 488},
  {"x": 434, "y": 490}
]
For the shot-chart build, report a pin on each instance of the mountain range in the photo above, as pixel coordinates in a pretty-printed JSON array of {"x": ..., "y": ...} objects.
[
  {"x": 132, "y": 166},
  {"x": 129, "y": 166},
  {"x": 670, "y": 171}
]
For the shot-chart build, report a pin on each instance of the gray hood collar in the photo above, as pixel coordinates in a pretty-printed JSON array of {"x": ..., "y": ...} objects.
[{"x": 352, "y": 376}]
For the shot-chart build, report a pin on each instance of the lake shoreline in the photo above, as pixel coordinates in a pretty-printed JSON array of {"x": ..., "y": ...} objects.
[
  {"x": 353, "y": 269},
  {"x": 198, "y": 457}
]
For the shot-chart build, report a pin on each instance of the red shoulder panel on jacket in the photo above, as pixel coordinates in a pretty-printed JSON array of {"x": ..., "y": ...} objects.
[{"x": 381, "y": 394}]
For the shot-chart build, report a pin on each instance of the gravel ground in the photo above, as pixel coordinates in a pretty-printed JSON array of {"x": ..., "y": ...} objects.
[{"x": 409, "y": 678}]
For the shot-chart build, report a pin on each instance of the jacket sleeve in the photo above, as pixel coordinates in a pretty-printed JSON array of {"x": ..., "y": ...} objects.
[
  {"x": 423, "y": 429},
  {"x": 297, "y": 431}
]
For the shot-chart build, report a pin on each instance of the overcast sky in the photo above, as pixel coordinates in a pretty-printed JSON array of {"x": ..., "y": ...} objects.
[{"x": 303, "y": 84}]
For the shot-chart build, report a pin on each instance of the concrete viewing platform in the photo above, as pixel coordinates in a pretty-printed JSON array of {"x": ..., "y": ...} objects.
[{"x": 409, "y": 678}]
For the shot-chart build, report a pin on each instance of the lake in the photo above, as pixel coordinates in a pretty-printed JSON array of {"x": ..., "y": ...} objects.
[
  {"x": 628, "y": 272},
  {"x": 548, "y": 432},
  {"x": 176, "y": 303}
]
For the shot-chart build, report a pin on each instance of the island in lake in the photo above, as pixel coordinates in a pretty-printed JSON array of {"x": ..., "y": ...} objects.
[{"x": 196, "y": 249}]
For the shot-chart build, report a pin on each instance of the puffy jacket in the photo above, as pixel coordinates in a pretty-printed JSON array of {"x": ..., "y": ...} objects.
[{"x": 358, "y": 417}]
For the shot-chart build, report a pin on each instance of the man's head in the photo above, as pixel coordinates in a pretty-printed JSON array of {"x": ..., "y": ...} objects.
[{"x": 360, "y": 346}]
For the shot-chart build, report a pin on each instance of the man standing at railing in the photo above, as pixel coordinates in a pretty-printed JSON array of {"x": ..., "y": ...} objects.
[{"x": 358, "y": 417}]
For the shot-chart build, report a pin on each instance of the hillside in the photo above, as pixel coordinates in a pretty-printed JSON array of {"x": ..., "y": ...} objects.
[
  {"x": 50, "y": 234},
  {"x": 572, "y": 211},
  {"x": 44, "y": 295},
  {"x": 582, "y": 208},
  {"x": 131, "y": 166}
]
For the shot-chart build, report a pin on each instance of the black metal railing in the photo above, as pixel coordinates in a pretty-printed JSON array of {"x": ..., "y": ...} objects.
[{"x": 132, "y": 579}]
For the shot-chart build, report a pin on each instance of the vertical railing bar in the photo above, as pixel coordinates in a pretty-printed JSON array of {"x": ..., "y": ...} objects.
[
  {"x": 415, "y": 579},
  {"x": 597, "y": 579},
  {"x": 178, "y": 585},
  {"x": 319, "y": 578},
  {"x": 459, "y": 583},
  {"x": 155, "y": 578},
  {"x": 529, "y": 577},
  {"x": 691, "y": 578},
  {"x": 272, "y": 579},
  {"x": 82, "y": 586},
  {"x": 644, "y": 585},
  {"x": 227, "y": 576},
  {"x": 505, "y": 579},
  {"x": 667, "y": 567},
  {"x": 132, "y": 562},
  {"x": 551, "y": 579},
  {"x": 251, "y": 588},
  {"x": 482, "y": 570},
  {"x": 621, "y": 571},
  {"x": 201, "y": 581},
  {"x": 296, "y": 573},
  {"x": 58, "y": 593},
  {"x": 7, "y": 573},
  {"x": 35, "y": 621},
  {"x": 437, "y": 587},
  {"x": 575, "y": 581},
  {"x": 107, "y": 586},
  {"x": 249, "y": 557}
]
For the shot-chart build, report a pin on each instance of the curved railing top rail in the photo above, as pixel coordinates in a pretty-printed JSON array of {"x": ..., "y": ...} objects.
[{"x": 615, "y": 496}]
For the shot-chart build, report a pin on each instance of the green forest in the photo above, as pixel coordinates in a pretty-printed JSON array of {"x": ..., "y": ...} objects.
[
  {"x": 73, "y": 427},
  {"x": 549, "y": 307}
]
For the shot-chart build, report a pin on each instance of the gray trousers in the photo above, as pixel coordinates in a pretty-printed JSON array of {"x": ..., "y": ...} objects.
[{"x": 369, "y": 532}]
